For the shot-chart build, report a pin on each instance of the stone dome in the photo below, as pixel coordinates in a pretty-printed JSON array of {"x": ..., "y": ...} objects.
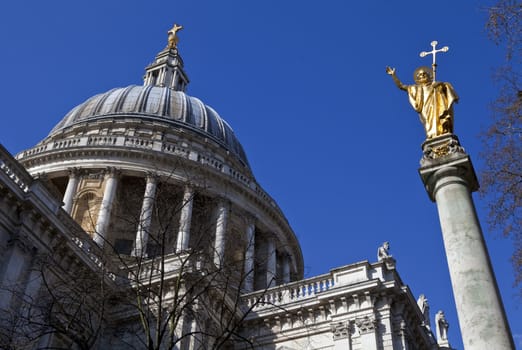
[
  {"x": 109, "y": 156},
  {"x": 157, "y": 103}
]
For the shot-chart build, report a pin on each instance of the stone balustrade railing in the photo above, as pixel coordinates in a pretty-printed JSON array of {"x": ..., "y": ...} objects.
[
  {"x": 147, "y": 143},
  {"x": 290, "y": 292},
  {"x": 354, "y": 274}
]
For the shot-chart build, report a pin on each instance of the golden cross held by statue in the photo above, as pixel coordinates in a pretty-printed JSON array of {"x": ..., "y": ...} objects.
[{"x": 434, "y": 53}]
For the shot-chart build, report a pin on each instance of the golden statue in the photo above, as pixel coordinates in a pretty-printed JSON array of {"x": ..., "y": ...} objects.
[
  {"x": 433, "y": 100},
  {"x": 173, "y": 37}
]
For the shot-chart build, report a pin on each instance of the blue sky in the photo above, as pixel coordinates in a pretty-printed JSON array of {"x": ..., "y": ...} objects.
[{"x": 303, "y": 84}]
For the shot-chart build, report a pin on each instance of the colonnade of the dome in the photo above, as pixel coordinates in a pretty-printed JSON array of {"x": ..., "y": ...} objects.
[{"x": 135, "y": 215}]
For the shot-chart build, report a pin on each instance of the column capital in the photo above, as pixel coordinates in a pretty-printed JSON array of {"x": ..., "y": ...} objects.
[
  {"x": 366, "y": 324},
  {"x": 152, "y": 176},
  {"x": 250, "y": 219},
  {"x": 223, "y": 201},
  {"x": 442, "y": 157},
  {"x": 74, "y": 171},
  {"x": 112, "y": 172},
  {"x": 190, "y": 189},
  {"x": 341, "y": 330}
]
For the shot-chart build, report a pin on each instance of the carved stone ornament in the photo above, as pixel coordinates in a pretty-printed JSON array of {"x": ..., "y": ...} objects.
[
  {"x": 366, "y": 324},
  {"x": 441, "y": 147},
  {"x": 341, "y": 330}
]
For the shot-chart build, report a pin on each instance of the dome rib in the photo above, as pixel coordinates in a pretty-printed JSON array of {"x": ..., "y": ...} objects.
[
  {"x": 160, "y": 103},
  {"x": 121, "y": 100}
]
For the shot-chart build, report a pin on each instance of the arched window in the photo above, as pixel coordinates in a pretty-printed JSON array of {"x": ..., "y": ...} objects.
[{"x": 86, "y": 213}]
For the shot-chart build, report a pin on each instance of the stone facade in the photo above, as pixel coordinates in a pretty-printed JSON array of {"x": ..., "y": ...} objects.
[{"x": 146, "y": 193}]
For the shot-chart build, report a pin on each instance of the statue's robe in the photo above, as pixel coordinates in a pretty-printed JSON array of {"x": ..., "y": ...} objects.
[{"x": 434, "y": 103}]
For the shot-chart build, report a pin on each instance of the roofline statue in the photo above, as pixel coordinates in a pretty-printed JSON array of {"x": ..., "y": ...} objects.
[{"x": 383, "y": 255}]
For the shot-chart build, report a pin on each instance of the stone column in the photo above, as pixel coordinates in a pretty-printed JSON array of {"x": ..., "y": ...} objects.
[
  {"x": 367, "y": 327},
  {"x": 342, "y": 335},
  {"x": 449, "y": 177},
  {"x": 185, "y": 219},
  {"x": 250, "y": 256},
  {"x": 102, "y": 224},
  {"x": 285, "y": 278},
  {"x": 17, "y": 258},
  {"x": 271, "y": 262},
  {"x": 70, "y": 191},
  {"x": 142, "y": 236},
  {"x": 221, "y": 226}
]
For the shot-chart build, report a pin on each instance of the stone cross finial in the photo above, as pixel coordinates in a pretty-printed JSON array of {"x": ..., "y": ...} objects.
[{"x": 434, "y": 54}]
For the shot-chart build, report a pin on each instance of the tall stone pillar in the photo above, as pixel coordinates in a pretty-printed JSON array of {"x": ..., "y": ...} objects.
[
  {"x": 142, "y": 236},
  {"x": 102, "y": 224},
  {"x": 250, "y": 256},
  {"x": 70, "y": 191},
  {"x": 271, "y": 262},
  {"x": 221, "y": 227},
  {"x": 185, "y": 219},
  {"x": 285, "y": 278},
  {"x": 449, "y": 177}
]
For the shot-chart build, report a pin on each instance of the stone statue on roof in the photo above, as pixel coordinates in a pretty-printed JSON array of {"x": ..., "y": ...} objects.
[
  {"x": 384, "y": 256},
  {"x": 441, "y": 327}
]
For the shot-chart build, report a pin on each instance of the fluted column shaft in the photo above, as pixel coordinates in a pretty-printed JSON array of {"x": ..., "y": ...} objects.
[
  {"x": 70, "y": 191},
  {"x": 271, "y": 262},
  {"x": 285, "y": 278},
  {"x": 142, "y": 236},
  {"x": 249, "y": 257},
  {"x": 185, "y": 219},
  {"x": 102, "y": 224},
  {"x": 221, "y": 226}
]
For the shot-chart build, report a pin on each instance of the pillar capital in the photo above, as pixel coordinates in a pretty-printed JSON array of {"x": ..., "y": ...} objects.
[
  {"x": 152, "y": 177},
  {"x": 112, "y": 172},
  {"x": 74, "y": 171},
  {"x": 250, "y": 219},
  {"x": 444, "y": 157}
]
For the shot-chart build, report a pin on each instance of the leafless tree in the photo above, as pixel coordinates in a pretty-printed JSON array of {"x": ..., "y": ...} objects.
[
  {"x": 502, "y": 174},
  {"x": 157, "y": 298},
  {"x": 173, "y": 297},
  {"x": 59, "y": 300}
]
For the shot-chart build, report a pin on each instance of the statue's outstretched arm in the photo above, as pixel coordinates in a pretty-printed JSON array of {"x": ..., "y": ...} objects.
[{"x": 400, "y": 85}]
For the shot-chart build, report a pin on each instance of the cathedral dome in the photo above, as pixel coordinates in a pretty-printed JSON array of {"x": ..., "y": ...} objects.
[
  {"x": 119, "y": 154},
  {"x": 156, "y": 103}
]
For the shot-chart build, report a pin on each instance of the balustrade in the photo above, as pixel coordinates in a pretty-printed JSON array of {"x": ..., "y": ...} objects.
[{"x": 289, "y": 293}]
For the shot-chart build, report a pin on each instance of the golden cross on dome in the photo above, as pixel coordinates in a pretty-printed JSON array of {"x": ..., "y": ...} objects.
[
  {"x": 434, "y": 53},
  {"x": 173, "y": 37}
]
